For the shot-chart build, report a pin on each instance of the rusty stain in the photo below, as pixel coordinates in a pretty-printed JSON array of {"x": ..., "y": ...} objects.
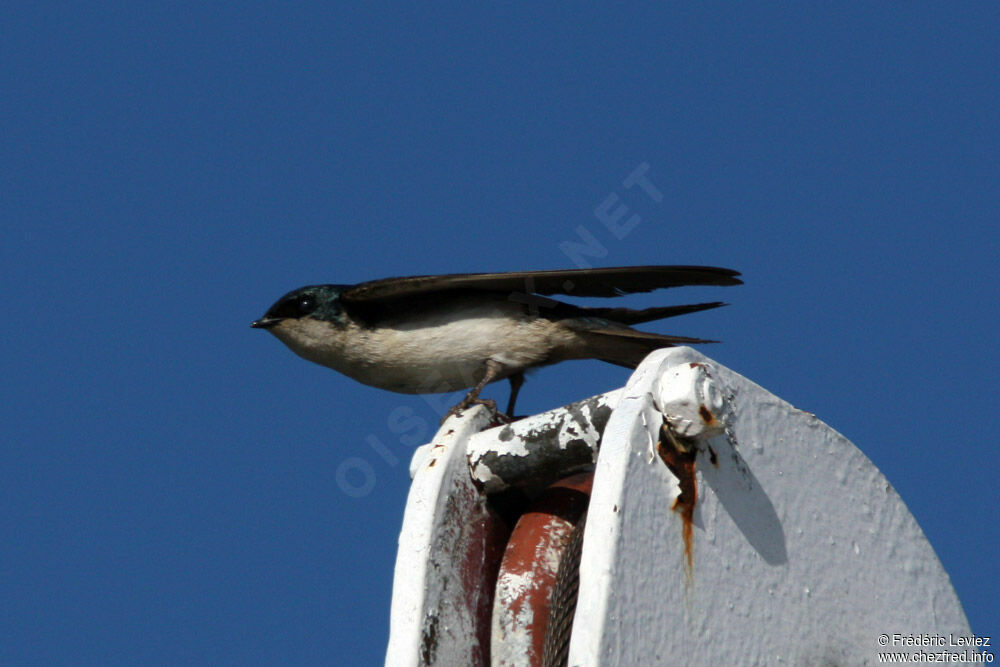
[
  {"x": 706, "y": 415},
  {"x": 431, "y": 464},
  {"x": 682, "y": 465},
  {"x": 712, "y": 456},
  {"x": 484, "y": 539},
  {"x": 615, "y": 510},
  {"x": 695, "y": 364},
  {"x": 429, "y": 640}
]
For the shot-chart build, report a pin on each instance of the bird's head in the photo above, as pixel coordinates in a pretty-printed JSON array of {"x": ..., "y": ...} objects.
[{"x": 316, "y": 302}]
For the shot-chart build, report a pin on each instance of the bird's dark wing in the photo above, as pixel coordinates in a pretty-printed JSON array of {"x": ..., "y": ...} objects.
[{"x": 573, "y": 282}]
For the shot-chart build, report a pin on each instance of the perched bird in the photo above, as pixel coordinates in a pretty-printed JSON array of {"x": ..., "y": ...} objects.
[{"x": 432, "y": 334}]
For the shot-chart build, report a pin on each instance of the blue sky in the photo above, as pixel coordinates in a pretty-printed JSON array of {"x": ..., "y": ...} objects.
[{"x": 169, "y": 477}]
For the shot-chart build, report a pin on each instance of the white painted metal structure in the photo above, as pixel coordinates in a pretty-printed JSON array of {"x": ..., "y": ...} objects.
[{"x": 801, "y": 551}]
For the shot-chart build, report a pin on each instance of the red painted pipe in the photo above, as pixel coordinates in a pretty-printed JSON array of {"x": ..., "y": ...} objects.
[{"x": 528, "y": 571}]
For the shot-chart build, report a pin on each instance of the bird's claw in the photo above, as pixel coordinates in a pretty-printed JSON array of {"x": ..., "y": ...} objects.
[{"x": 497, "y": 417}]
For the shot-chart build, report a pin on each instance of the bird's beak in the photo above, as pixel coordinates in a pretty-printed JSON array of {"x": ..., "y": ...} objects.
[{"x": 265, "y": 322}]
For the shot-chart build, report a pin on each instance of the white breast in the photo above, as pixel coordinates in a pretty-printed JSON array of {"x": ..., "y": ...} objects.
[{"x": 444, "y": 351}]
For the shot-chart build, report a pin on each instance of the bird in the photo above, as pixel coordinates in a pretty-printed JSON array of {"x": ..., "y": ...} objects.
[{"x": 444, "y": 333}]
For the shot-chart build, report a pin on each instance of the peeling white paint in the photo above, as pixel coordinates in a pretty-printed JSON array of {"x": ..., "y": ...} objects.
[
  {"x": 514, "y": 585},
  {"x": 569, "y": 425}
]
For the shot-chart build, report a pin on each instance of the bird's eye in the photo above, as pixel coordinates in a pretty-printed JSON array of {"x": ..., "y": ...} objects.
[{"x": 306, "y": 305}]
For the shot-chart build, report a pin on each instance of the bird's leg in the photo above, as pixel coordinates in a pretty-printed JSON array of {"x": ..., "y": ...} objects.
[
  {"x": 516, "y": 380},
  {"x": 493, "y": 369}
]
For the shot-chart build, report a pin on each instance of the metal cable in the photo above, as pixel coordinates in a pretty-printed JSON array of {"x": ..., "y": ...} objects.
[{"x": 562, "y": 602}]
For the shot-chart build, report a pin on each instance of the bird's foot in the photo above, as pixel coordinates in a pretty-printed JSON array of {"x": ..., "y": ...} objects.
[
  {"x": 496, "y": 417},
  {"x": 501, "y": 418},
  {"x": 493, "y": 368}
]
